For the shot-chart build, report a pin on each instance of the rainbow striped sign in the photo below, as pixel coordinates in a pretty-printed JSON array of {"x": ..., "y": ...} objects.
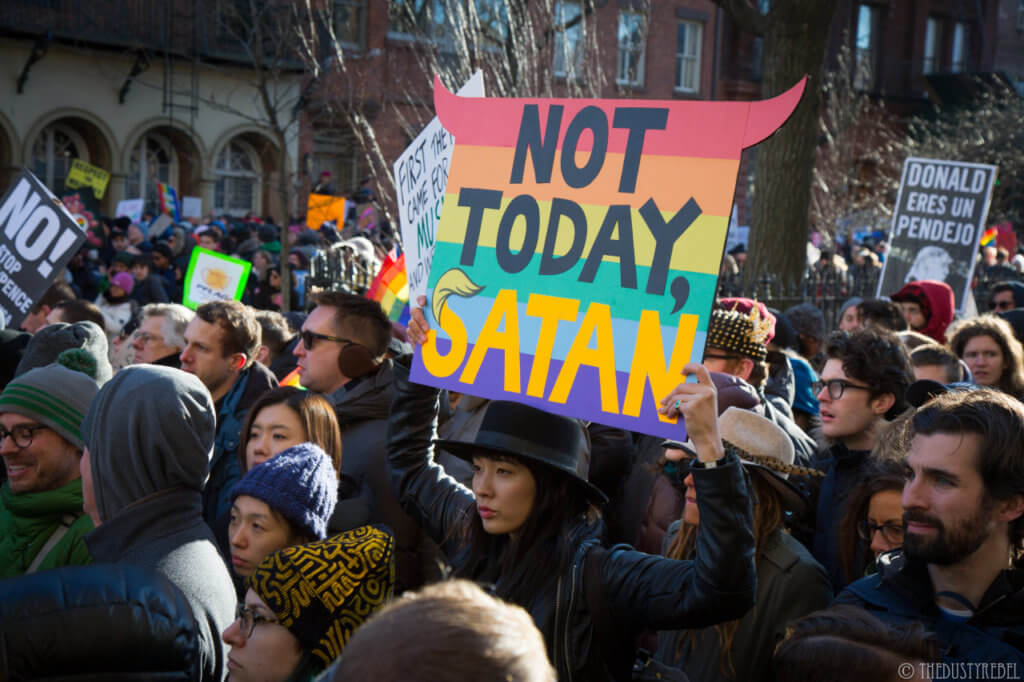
[
  {"x": 390, "y": 287},
  {"x": 579, "y": 247},
  {"x": 168, "y": 201}
]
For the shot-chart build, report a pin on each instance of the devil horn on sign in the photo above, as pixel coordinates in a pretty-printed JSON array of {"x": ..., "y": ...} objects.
[{"x": 767, "y": 115}]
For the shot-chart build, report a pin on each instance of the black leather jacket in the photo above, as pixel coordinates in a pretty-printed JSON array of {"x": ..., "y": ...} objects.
[
  {"x": 97, "y": 622},
  {"x": 641, "y": 590}
]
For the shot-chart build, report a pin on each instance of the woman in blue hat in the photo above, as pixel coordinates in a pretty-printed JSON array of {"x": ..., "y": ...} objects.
[{"x": 530, "y": 525}]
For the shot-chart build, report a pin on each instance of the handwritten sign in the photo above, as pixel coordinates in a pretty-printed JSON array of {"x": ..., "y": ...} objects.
[
  {"x": 937, "y": 224},
  {"x": 421, "y": 173},
  {"x": 579, "y": 247},
  {"x": 83, "y": 174},
  {"x": 212, "y": 276},
  {"x": 37, "y": 238},
  {"x": 130, "y": 208}
]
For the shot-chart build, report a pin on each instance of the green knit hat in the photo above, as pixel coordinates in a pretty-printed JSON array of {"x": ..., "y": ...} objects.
[{"x": 54, "y": 395}]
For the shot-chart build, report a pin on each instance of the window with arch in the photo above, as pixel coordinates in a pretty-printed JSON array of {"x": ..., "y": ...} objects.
[
  {"x": 152, "y": 161},
  {"x": 52, "y": 153},
  {"x": 238, "y": 178}
]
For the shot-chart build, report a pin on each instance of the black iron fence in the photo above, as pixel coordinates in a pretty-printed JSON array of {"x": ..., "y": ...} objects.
[{"x": 829, "y": 288}]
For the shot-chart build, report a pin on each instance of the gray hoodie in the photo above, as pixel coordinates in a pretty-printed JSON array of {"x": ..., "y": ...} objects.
[{"x": 150, "y": 436}]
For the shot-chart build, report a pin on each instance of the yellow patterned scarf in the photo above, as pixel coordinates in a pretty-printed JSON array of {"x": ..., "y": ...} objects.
[{"x": 323, "y": 591}]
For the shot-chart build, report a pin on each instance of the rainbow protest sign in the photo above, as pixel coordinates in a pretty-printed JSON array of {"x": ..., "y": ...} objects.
[
  {"x": 390, "y": 287},
  {"x": 579, "y": 247},
  {"x": 168, "y": 200}
]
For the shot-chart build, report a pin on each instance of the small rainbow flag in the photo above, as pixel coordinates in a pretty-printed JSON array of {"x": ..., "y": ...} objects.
[
  {"x": 292, "y": 379},
  {"x": 390, "y": 288},
  {"x": 989, "y": 236},
  {"x": 168, "y": 201}
]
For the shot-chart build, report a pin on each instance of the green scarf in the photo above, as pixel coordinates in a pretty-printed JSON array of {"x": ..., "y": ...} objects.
[{"x": 27, "y": 520}]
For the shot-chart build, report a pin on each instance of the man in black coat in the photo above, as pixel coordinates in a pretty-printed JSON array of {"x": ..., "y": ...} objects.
[
  {"x": 963, "y": 510},
  {"x": 343, "y": 354},
  {"x": 863, "y": 384}
]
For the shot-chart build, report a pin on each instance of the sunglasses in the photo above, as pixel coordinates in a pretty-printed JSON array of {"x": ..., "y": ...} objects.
[{"x": 309, "y": 338}]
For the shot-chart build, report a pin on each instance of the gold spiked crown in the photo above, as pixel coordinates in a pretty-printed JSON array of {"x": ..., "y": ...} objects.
[{"x": 736, "y": 332}]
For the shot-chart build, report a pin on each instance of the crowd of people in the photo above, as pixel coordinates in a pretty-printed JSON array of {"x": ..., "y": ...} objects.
[{"x": 842, "y": 504}]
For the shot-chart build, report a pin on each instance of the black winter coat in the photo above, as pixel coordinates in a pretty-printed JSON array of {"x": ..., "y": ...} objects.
[
  {"x": 362, "y": 410},
  {"x": 901, "y": 592},
  {"x": 640, "y": 590},
  {"x": 97, "y": 622}
]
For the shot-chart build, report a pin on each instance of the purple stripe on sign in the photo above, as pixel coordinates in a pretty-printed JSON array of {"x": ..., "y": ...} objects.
[{"x": 584, "y": 401}]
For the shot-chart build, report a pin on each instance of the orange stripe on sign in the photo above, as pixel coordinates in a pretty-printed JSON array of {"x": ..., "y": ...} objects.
[{"x": 669, "y": 180}]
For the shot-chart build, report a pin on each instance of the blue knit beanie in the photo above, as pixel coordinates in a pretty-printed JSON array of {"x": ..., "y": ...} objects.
[{"x": 300, "y": 483}]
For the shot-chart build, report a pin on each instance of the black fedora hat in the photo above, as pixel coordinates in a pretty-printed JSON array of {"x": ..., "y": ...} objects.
[{"x": 519, "y": 430}]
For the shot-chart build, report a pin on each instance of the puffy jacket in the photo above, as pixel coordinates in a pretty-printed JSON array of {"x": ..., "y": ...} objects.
[
  {"x": 96, "y": 623},
  {"x": 640, "y": 590},
  {"x": 165, "y": 533},
  {"x": 901, "y": 592}
]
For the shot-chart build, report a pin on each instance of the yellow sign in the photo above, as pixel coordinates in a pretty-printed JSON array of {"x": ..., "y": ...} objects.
[
  {"x": 324, "y": 207},
  {"x": 83, "y": 174}
]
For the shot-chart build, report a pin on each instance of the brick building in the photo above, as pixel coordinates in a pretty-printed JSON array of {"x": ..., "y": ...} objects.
[
  {"x": 163, "y": 89},
  {"x": 661, "y": 50}
]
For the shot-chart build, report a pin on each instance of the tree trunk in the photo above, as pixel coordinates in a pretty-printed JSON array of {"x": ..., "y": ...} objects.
[
  {"x": 282, "y": 188},
  {"x": 795, "y": 39}
]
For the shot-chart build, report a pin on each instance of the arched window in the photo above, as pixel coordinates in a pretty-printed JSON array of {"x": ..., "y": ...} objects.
[
  {"x": 152, "y": 161},
  {"x": 238, "y": 179},
  {"x": 52, "y": 153}
]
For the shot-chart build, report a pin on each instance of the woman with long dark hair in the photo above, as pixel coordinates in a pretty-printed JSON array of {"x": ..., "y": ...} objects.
[
  {"x": 873, "y": 523},
  {"x": 530, "y": 525}
]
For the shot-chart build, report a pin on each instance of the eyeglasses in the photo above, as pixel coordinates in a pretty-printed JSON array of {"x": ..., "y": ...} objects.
[
  {"x": 309, "y": 338},
  {"x": 891, "y": 532},
  {"x": 22, "y": 434},
  {"x": 836, "y": 387},
  {"x": 146, "y": 337},
  {"x": 248, "y": 618}
]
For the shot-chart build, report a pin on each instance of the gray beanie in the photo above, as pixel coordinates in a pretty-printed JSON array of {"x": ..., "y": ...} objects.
[
  {"x": 53, "y": 339},
  {"x": 54, "y": 395},
  {"x": 807, "y": 319},
  {"x": 849, "y": 303}
]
